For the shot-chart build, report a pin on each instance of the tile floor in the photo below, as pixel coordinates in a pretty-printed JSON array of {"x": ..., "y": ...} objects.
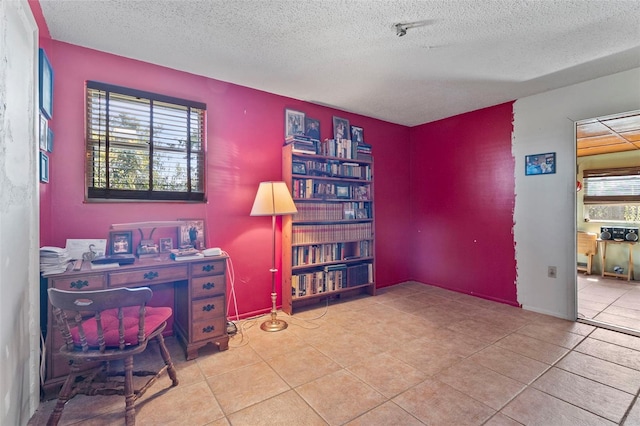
[
  {"x": 610, "y": 300},
  {"x": 411, "y": 355}
]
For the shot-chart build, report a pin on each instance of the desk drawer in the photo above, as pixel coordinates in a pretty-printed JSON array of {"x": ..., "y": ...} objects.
[
  {"x": 208, "y": 308},
  {"x": 208, "y": 329},
  {"x": 207, "y": 286},
  {"x": 79, "y": 282},
  {"x": 148, "y": 276},
  {"x": 211, "y": 267}
]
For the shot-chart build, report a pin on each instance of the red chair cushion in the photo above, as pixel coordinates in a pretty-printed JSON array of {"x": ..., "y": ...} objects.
[{"x": 154, "y": 317}]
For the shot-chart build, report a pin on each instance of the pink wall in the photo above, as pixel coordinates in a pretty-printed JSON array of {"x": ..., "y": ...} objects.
[
  {"x": 245, "y": 133},
  {"x": 462, "y": 202}
]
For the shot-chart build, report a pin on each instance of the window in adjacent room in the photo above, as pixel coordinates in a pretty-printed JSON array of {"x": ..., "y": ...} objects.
[
  {"x": 612, "y": 195},
  {"x": 143, "y": 146}
]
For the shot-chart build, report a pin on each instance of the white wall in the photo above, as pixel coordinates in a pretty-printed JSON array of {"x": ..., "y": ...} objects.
[
  {"x": 19, "y": 212},
  {"x": 545, "y": 211}
]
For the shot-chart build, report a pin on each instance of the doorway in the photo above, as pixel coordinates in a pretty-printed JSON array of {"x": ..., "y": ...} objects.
[{"x": 610, "y": 300}]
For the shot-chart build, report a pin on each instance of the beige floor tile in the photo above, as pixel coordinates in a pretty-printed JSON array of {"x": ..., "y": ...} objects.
[
  {"x": 605, "y": 372},
  {"x": 347, "y": 349},
  {"x": 406, "y": 304},
  {"x": 533, "y": 407},
  {"x": 485, "y": 385},
  {"x": 633, "y": 417},
  {"x": 548, "y": 333},
  {"x": 288, "y": 408},
  {"x": 478, "y": 329},
  {"x": 387, "y": 374},
  {"x": 340, "y": 397},
  {"x": 434, "y": 402},
  {"x": 622, "y": 321},
  {"x": 510, "y": 364},
  {"x": 270, "y": 345},
  {"x": 427, "y": 356},
  {"x": 243, "y": 387},
  {"x": 560, "y": 324},
  {"x": 303, "y": 365},
  {"x": 386, "y": 414},
  {"x": 620, "y": 339},
  {"x": 610, "y": 352},
  {"x": 532, "y": 348},
  {"x": 184, "y": 405},
  {"x": 458, "y": 343},
  {"x": 229, "y": 360},
  {"x": 592, "y": 396},
  {"x": 501, "y": 420},
  {"x": 591, "y": 305},
  {"x": 624, "y": 312}
]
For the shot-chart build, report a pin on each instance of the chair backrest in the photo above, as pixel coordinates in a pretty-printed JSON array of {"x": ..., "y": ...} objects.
[{"x": 94, "y": 313}]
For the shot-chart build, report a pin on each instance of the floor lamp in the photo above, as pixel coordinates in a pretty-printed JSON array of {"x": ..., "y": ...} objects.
[{"x": 273, "y": 199}]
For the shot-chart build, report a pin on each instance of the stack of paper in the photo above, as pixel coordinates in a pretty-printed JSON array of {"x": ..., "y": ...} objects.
[{"x": 53, "y": 260}]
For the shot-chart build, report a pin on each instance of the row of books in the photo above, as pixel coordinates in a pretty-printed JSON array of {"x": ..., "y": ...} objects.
[
  {"x": 331, "y": 278},
  {"x": 311, "y": 188},
  {"x": 340, "y": 148},
  {"x": 322, "y": 253},
  {"x": 325, "y": 233},
  {"x": 363, "y": 152},
  {"x": 336, "y": 168},
  {"x": 302, "y": 144},
  {"x": 333, "y": 211}
]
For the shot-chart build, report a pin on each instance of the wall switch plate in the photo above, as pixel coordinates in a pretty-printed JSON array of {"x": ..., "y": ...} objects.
[{"x": 552, "y": 272}]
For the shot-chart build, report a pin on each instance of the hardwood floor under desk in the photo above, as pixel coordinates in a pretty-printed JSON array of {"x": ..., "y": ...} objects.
[{"x": 194, "y": 289}]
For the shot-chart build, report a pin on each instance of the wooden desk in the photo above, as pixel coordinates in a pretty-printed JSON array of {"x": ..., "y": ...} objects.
[
  {"x": 603, "y": 258},
  {"x": 199, "y": 302}
]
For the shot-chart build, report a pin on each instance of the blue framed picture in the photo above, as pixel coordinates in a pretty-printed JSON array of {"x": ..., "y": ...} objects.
[
  {"x": 44, "y": 167},
  {"x": 45, "y": 75},
  {"x": 540, "y": 164}
]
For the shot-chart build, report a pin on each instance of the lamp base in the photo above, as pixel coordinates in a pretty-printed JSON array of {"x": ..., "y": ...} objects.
[{"x": 274, "y": 325}]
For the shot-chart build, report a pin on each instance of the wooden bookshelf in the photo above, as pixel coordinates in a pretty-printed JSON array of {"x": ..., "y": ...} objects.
[{"x": 328, "y": 247}]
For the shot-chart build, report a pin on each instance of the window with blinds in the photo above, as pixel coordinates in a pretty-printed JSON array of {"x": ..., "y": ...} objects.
[
  {"x": 143, "y": 146},
  {"x": 612, "y": 195}
]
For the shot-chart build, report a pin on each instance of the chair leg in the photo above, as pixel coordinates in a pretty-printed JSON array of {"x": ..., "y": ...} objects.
[
  {"x": 167, "y": 360},
  {"x": 64, "y": 396},
  {"x": 130, "y": 410}
]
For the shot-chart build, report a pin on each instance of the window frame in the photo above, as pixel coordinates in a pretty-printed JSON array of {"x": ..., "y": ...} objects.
[
  {"x": 108, "y": 194},
  {"x": 610, "y": 172}
]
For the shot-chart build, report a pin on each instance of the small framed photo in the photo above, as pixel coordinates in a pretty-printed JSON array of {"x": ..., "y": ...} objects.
[
  {"x": 340, "y": 128},
  {"x": 298, "y": 168},
  {"x": 121, "y": 242},
  {"x": 342, "y": 191},
  {"x": 540, "y": 164},
  {"x": 312, "y": 128},
  {"x": 44, "y": 132},
  {"x": 49, "y": 140},
  {"x": 44, "y": 168},
  {"x": 166, "y": 245},
  {"x": 293, "y": 123},
  {"x": 192, "y": 234},
  {"x": 349, "y": 214},
  {"x": 362, "y": 214},
  {"x": 45, "y": 76},
  {"x": 357, "y": 134}
]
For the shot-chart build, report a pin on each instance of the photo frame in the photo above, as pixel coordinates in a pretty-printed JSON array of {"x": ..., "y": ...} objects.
[
  {"x": 192, "y": 233},
  {"x": 44, "y": 168},
  {"x": 166, "y": 245},
  {"x": 540, "y": 164},
  {"x": 357, "y": 134},
  {"x": 342, "y": 191},
  {"x": 293, "y": 123},
  {"x": 362, "y": 214},
  {"x": 45, "y": 77},
  {"x": 349, "y": 214},
  {"x": 298, "y": 168},
  {"x": 49, "y": 140},
  {"x": 44, "y": 132},
  {"x": 121, "y": 242},
  {"x": 312, "y": 128},
  {"x": 340, "y": 128}
]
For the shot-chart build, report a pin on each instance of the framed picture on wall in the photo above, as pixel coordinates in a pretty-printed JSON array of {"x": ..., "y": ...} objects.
[
  {"x": 340, "y": 128},
  {"x": 45, "y": 77},
  {"x": 44, "y": 132},
  {"x": 540, "y": 164},
  {"x": 192, "y": 234},
  {"x": 44, "y": 167},
  {"x": 357, "y": 134},
  {"x": 293, "y": 123},
  {"x": 312, "y": 128}
]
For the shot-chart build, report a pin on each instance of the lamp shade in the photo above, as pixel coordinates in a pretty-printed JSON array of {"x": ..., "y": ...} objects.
[{"x": 273, "y": 199}]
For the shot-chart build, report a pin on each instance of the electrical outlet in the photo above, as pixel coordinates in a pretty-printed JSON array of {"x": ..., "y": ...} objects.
[{"x": 552, "y": 272}]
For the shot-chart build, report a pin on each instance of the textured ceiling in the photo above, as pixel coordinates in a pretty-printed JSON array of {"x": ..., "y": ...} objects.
[{"x": 460, "y": 55}]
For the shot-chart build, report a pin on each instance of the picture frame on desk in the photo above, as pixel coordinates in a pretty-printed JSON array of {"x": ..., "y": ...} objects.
[
  {"x": 293, "y": 122},
  {"x": 166, "y": 245},
  {"x": 192, "y": 233},
  {"x": 121, "y": 242},
  {"x": 45, "y": 77}
]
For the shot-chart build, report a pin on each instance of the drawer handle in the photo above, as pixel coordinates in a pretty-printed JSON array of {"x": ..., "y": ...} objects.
[
  {"x": 150, "y": 275},
  {"x": 208, "y": 329},
  {"x": 208, "y": 286},
  {"x": 208, "y": 268},
  {"x": 208, "y": 307},
  {"x": 79, "y": 284}
]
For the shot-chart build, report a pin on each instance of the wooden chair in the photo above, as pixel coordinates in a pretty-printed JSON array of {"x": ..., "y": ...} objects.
[
  {"x": 588, "y": 246},
  {"x": 104, "y": 326}
]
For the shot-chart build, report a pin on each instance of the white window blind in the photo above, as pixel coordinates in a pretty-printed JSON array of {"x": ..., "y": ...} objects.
[
  {"x": 620, "y": 185},
  {"x": 143, "y": 146}
]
